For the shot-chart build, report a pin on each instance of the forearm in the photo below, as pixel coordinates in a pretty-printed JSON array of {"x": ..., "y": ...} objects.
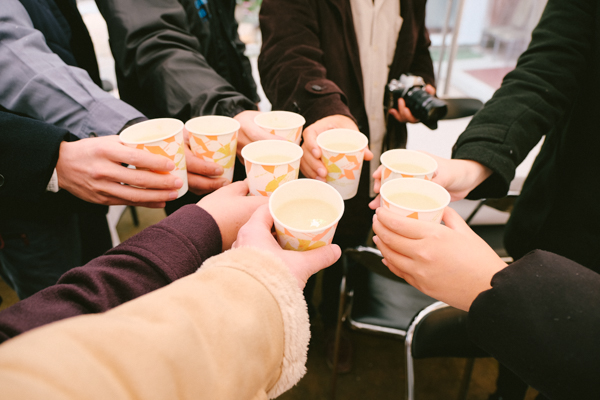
[
  {"x": 226, "y": 332},
  {"x": 162, "y": 253},
  {"x": 291, "y": 65},
  {"x": 37, "y": 83},
  {"x": 533, "y": 98},
  {"x": 540, "y": 319},
  {"x": 156, "y": 50}
]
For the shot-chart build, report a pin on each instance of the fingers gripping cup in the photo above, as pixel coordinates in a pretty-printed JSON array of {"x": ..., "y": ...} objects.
[
  {"x": 285, "y": 124},
  {"x": 269, "y": 164},
  {"x": 162, "y": 136},
  {"x": 306, "y": 213},
  {"x": 415, "y": 198},
  {"x": 402, "y": 163},
  {"x": 214, "y": 138},
  {"x": 343, "y": 154}
]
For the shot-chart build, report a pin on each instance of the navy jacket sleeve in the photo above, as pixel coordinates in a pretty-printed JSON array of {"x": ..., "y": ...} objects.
[
  {"x": 28, "y": 155},
  {"x": 155, "y": 257},
  {"x": 542, "y": 320}
]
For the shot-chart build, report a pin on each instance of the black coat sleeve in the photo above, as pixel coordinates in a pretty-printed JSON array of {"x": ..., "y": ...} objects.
[
  {"x": 541, "y": 319},
  {"x": 152, "y": 45},
  {"x": 534, "y": 96}
]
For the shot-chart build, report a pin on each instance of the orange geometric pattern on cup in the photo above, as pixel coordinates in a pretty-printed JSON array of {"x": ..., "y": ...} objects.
[
  {"x": 388, "y": 174},
  {"x": 172, "y": 148},
  {"x": 300, "y": 241},
  {"x": 341, "y": 166},
  {"x": 215, "y": 148},
  {"x": 289, "y": 135},
  {"x": 269, "y": 176},
  {"x": 423, "y": 216}
]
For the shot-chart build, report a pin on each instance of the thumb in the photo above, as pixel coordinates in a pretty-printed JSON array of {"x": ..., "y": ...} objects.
[
  {"x": 239, "y": 188},
  {"x": 261, "y": 219},
  {"x": 453, "y": 220},
  {"x": 315, "y": 260}
]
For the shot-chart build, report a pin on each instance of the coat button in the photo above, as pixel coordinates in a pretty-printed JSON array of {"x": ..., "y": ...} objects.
[
  {"x": 1, "y": 180},
  {"x": 317, "y": 88}
]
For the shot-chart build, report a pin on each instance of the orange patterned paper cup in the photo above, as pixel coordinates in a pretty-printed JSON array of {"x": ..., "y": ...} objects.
[
  {"x": 269, "y": 164},
  {"x": 214, "y": 138},
  {"x": 343, "y": 151},
  {"x": 300, "y": 196},
  {"x": 398, "y": 196},
  {"x": 402, "y": 163},
  {"x": 163, "y": 136},
  {"x": 285, "y": 124}
]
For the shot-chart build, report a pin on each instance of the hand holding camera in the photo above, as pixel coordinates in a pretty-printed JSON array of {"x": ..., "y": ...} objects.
[{"x": 411, "y": 100}]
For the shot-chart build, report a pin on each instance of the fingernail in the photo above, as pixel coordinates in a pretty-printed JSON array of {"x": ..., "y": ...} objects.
[
  {"x": 178, "y": 182},
  {"x": 322, "y": 172},
  {"x": 320, "y": 179},
  {"x": 375, "y": 239},
  {"x": 315, "y": 153},
  {"x": 173, "y": 195},
  {"x": 218, "y": 171},
  {"x": 170, "y": 165},
  {"x": 226, "y": 183},
  {"x": 374, "y": 217}
]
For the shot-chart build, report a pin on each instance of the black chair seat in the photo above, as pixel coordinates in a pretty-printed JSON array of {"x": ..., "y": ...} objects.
[{"x": 384, "y": 302}]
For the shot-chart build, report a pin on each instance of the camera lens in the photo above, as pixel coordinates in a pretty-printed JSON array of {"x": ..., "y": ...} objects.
[{"x": 425, "y": 107}]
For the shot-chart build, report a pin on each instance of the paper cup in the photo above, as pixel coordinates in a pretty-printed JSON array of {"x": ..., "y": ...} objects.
[
  {"x": 306, "y": 213},
  {"x": 343, "y": 154},
  {"x": 162, "y": 136},
  {"x": 402, "y": 163},
  {"x": 415, "y": 198},
  {"x": 285, "y": 124},
  {"x": 214, "y": 138},
  {"x": 269, "y": 164}
]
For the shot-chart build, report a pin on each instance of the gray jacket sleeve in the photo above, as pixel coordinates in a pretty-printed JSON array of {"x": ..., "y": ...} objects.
[
  {"x": 155, "y": 48},
  {"x": 37, "y": 83}
]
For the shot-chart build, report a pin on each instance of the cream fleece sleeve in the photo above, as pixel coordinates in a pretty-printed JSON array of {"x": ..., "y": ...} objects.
[{"x": 237, "y": 329}]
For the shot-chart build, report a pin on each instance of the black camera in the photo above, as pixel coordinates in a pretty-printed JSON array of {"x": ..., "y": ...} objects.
[{"x": 426, "y": 108}]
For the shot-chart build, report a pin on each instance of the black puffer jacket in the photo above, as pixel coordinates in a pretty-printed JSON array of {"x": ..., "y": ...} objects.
[{"x": 171, "y": 62}]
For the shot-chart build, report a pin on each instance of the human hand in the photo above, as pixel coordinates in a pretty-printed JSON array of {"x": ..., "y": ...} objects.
[
  {"x": 200, "y": 172},
  {"x": 448, "y": 262},
  {"x": 231, "y": 208},
  {"x": 91, "y": 170},
  {"x": 459, "y": 177},
  {"x": 249, "y": 131},
  {"x": 302, "y": 264},
  {"x": 403, "y": 114},
  {"x": 311, "y": 165}
]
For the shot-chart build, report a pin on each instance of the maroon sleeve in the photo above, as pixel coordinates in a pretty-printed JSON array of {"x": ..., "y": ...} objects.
[
  {"x": 541, "y": 319},
  {"x": 155, "y": 257}
]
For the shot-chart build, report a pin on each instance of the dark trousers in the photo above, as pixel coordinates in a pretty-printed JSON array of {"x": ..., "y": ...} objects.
[{"x": 35, "y": 253}]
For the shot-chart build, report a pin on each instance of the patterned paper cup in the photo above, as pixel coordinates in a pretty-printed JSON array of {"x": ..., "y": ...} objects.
[
  {"x": 269, "y": 164},
  {"x": 286, "y": 124},
  {"x": 306, "y": 213},
  {"x": 343, "y": 154},
  {"x": 415, "y": 198},
  {"x": 214, "y": 138},
  {"x": 402, "y": 163},
  {"x": 163, "y": 136}
]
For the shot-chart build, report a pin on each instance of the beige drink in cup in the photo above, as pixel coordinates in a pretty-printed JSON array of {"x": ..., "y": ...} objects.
[
  {"x": 343, "y": 154},
  {"x": 163, "y": 136},
  {"x": 402, "y": 163},
  {"x": 269, "y": 164},
  {"x": 285, "y": 124},
  {"x": 214, "y": 138},
  {"x": 306, "y": 213},
  {"x": 415, "y": 198}
]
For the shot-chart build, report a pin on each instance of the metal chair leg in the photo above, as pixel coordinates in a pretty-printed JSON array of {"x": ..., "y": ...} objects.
[
  {"x": 338, "y": 335},
  {"x": 466, "y": 380}
]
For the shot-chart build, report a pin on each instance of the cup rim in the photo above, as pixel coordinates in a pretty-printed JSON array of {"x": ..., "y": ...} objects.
[
  {"x": 323, "y": 228},
  {"x": 429, "y": 171},
  {"x": 301, "y": 120},
  {"x": 391, "y": 182},
  {"x": 160, "y": 138},
  {"x": 207, "y": 117},
  {"x": 278, "y": 143},
  {"x": 364, "y": 138}
]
